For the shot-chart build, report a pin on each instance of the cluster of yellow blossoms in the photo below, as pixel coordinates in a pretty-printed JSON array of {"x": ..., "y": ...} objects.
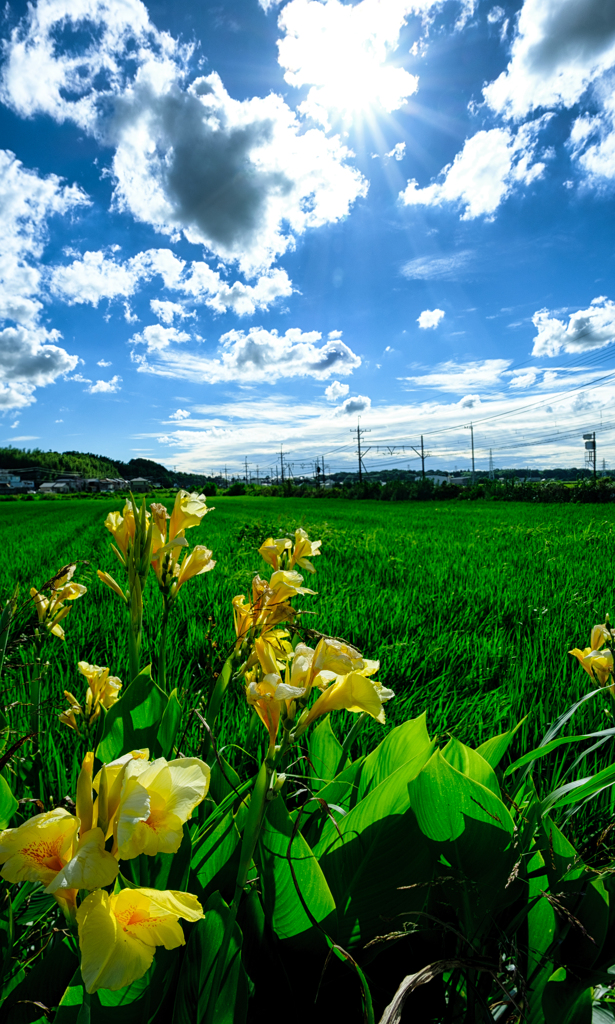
[
  {"x": 102, "y": 692},
  {"x": 595, "y": 659},
  {"x": 140, "y": 807},
  {"x": 51, "y": 610},
  {"x": 279, "y": 675},
  {"x": 166, "y": 536}
]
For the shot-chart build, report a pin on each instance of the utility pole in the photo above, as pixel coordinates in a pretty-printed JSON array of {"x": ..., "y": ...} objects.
[
  {"x": 257, "y": 483},
  {"x": 282, "y": 465},
  {"x": 246, "y": 476},
  {"x": 422, "y": 454},
  {"x": 491, "y": 474},
  {"x": 590, "y": 450},
  {"x": 471, "y": 429},
  {"x": 360, "y": 453},
  {"x": 226, "y": 476},
  {"x": 322, "y": 459}
]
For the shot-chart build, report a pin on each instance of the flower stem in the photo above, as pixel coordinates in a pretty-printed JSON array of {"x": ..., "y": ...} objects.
[{"x": 349, "y": 740}]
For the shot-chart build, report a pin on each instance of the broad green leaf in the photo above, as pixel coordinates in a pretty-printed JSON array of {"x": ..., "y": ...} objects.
[
  {"x": 493, "y": 750},
  {"x": 325, "y": 751},
  {"x": 403, "y": 744},
  {"x": 198, "y": 968},
  {"x": 171, "y": 720},
  {"x": 4, "y": 731},
  {"x": 50, "y": 974},
  {"x": 224, "y": 780},
  {"x": 542, "y": 935},
  {"x": 470, "y": 763},
  {"x": 133, "y": 721},
  {"x": 284, "y": 908},
  {"x": 567, "y": 999},
  {"x": 141, "y": 1002},
  {"x": 165, "y": 870},
  {"x": 215, "y": 857},
  {"x": 442, "y": 798},
  {"x": 8, "y": 803},
  {"x": 371, "y": 853}
]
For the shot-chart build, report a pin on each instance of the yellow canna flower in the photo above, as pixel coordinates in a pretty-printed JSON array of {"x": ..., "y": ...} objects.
[
  {"x": 597, "y": 664},
  {"x": 106, "y": 578},
  {"x": 194, "y": 564},
  {"x": 123, "y": 527},
  {"x": 286, "y": 583},
  {"x": 108, "y": 784},
  {"x": 38, "y": 849},
  {"x": 103, "y": 689},
  {"x": 266, "y": 698},
  {"x": 90, "y": 866},
  {"x": 160, "y": 516},
  {"x": 51, "y": 610},
  {"x": 188, "y": 511},
  {"x": 304, "y": 548},
  {"x": 118, "y": 934},
  {"x": 272, "y": 550},
  {"x": 354, "y": 692},
  {"x": 156, "y": 799}
]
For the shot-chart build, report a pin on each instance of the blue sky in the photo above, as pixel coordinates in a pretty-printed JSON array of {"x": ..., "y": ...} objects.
[{"x": 232, "y": 226}]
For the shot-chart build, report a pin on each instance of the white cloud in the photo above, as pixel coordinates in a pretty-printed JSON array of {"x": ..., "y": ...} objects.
[
  {"x": 105, "y": 386},
  {"x": 430, "y": 318},
  {"x": 561, "y": 46},
  {"x": 341, "y": 51},
  {"x": 336, "y": 390},
  {"x": 92, "y": 277},
  {"x": 397, "y": 153},
  {"x": 103, "y": 362},
  {"x": 469, "y": 402},
  {"x": 97, "y": 275},
  {"x": 15, "y": 425},
  {"x": 592, "y": 139},
  {"x": 524, "y": 378},
  {"x": 27, "y": 201},
  {"x": 427, "y": 268},
  {"x": 67, "y": 83},
  {"x": 495, "y": 14},
  {"x": 460, "y": 377},
  {"x": 157, "y": 338},
  {"x": 490, "y": 165},
  {"x": 180, "y": 414},
  {"x": 352, "y": 406},
  {"x": 29, "y": 359},
  {"x": 241, "y": 178},
  {"x": 587, "y": 329},
  {"x": 167, "y": 311},
  {"x": 260, "y": 356}
]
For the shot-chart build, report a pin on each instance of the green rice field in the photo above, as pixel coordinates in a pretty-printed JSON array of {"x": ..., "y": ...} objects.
[{"x": 471, "y": 608}]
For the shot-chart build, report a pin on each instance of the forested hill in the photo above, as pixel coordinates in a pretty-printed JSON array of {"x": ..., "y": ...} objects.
[{"x": 90, "y": 465}]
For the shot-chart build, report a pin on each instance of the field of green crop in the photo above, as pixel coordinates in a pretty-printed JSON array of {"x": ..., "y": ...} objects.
[{"x": 470, "y": 608}]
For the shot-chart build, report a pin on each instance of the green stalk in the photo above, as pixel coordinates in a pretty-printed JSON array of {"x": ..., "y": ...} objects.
[
  {"x": 215, "y": 701},
  {"x": 350, "y": 738},
  {"x": 256, "y": 815},
  {"x": 162, "y": 646}
]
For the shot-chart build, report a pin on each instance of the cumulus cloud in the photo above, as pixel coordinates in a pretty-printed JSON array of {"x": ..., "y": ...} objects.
[
  {"x": 430, "y": 318},
  {"x": 29, "y": 359},
  {"x": 157, "y": 338},
  {"x": 490, "y": 165},
  {"x": 231, "y": 175},
  {"x": 397, "y": 153},
  {"x": 460, "y": 377},
  {"x": 97, "y": 275},
  {"x": 353, "y": 406},
  {"x": 336, "y": 391},
  {"x": 105, "y": 386},
  {"x": 587, "y": 329},
  {"x": 560, "y": 47},
  {"x": 428, "y": 268},
  {"x": 341, "y": 52},
  {"x": 469, "y": 401},
  {"x": 242, "y": 177},
  {"x": 180, "y": 414},
  {"x": 258, "y": 356},
  {"x": 27, "y": 202},
  {"x": 167, "y": 311}
]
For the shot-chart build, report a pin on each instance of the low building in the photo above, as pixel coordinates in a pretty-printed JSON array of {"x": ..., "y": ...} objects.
[
  {"x": 55, "y": 487},
  {"x": 139, "y": 483}
]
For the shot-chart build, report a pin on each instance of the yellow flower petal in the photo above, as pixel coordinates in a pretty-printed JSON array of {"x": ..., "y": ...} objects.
[
  {"x": 38, "y": 849},
  {"x": 354, "y": 692},
  {"x": 89, "y": 868}
]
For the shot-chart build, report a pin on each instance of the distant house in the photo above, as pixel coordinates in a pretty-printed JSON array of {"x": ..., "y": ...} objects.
[
  {"x": 55, "y": 487},
  {"x": 139, "y": 483}
]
